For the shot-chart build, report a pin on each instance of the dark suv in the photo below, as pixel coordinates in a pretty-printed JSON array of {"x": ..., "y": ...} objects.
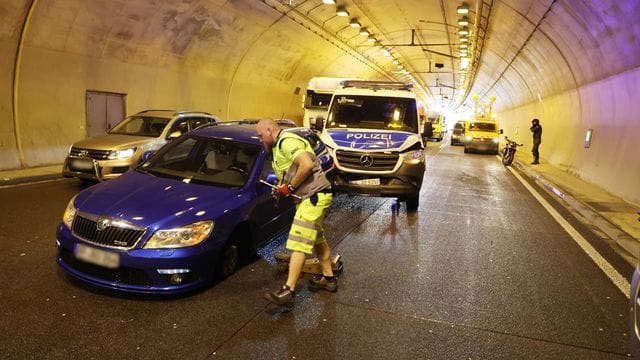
[{"x": 110, "y": 156}]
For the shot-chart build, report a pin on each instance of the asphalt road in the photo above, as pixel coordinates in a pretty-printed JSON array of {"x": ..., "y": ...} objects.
[{"x": 481, "y": 270}]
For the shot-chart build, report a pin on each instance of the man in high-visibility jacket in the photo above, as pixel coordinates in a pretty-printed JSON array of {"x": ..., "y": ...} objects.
[{"x": 293, "y": 162}]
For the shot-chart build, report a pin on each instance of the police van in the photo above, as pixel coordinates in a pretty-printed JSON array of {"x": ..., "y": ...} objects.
[{"x": 372, "y": 132}]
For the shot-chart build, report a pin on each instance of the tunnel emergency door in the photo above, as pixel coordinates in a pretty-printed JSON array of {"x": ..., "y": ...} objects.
[{"x": 104, "y": 110}]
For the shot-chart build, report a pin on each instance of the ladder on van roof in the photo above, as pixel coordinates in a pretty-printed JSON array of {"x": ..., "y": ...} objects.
[{"x": 376, "y": 85}]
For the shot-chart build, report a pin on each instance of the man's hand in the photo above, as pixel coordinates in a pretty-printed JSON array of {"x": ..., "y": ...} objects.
[{"x": 283, "y": 190}]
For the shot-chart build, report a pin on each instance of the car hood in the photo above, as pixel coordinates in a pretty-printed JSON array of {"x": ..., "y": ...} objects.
[
  {"x": 109, "y": 142},
  {"x": 150, "y": 201},
  {"x": 361, "y": 139}
]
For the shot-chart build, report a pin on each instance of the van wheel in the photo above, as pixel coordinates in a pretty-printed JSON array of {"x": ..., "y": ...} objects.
[{"x": 413, "y": 203}]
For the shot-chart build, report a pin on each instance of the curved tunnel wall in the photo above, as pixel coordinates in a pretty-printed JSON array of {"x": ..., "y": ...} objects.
[
  {"x": 572, "y": 64},
  {"x": 575, "y": 66}
]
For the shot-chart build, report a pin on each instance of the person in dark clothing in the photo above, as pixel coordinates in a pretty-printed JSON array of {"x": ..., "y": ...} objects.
[{"x": 536, "y": 129}]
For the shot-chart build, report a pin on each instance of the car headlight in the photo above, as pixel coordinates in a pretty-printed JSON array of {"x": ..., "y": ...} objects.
[
  {"x": 495, "y": 140},
  {"x": 121, "y": 154},
  {"x": 467, "y": 138},
  {"x": 179, "y": 237},
  {"x": 69, "y": 213}
]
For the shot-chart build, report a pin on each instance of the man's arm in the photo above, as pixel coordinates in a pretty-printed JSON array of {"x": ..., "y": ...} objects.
[{"x": 304, "y": 163}]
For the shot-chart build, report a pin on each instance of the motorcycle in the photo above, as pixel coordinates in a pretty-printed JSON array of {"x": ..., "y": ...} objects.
[{"x": 509, "y": 151}]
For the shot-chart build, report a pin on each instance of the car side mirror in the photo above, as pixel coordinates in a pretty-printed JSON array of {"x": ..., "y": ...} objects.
[
  {"x": 173, "y": 135},
  {"x": 146, "y": 156},
  {"x": 501, "y": 131},
  {"x": 319, "y": 123}
]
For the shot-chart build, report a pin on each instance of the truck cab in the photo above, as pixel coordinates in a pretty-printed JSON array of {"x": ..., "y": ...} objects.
[{"x": 372, "y": 132}]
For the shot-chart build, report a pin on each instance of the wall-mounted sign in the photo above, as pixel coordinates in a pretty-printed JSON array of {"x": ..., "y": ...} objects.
[{"x": 587, "y": 138}]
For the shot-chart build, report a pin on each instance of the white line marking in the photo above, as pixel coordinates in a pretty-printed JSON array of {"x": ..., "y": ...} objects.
[{"x": 618, "y": 280}]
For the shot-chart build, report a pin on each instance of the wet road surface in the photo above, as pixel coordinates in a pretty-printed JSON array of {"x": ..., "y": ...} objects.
[{"x": 481, "y": 270}]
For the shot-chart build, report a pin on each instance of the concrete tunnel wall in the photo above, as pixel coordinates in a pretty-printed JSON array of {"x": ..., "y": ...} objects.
[{"x": 574, "y": 65}]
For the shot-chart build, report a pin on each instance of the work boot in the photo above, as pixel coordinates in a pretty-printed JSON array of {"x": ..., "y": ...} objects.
[
  {"x": 535, "y": 162},
  {"x": 282, "y": 296},
  {"x": 321, "y": 282}
]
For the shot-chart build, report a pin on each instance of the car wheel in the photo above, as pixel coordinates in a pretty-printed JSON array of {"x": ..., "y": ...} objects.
[
  {"x": 466, "y": 150},
  {"x": 228, "y": 260}
]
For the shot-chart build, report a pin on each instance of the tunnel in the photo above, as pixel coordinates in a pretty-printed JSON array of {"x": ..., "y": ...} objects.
[{"x": 572, "y": 64}]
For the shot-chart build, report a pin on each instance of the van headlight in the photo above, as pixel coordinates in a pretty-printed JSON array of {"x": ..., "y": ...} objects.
[
  {"x": 121, "y": 154},
  {"x": 495, "y": 140},
  {"x": 180, "y": 237},
  {"x": 69, "y": 213},
  {"x": 414, "y": 157}
]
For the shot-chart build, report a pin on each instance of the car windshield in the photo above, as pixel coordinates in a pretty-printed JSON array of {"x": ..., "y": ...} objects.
[
  {"x": 481, "y": 126},
  {"x": 218, "y": 162},
  {"x": 373, "y": 112},
  {"x": 140, "y": 126},
  {"x": 316, "y": 100}
]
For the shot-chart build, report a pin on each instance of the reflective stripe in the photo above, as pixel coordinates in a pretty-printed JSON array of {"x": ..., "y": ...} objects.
[
  {"x": 305, "y": 224},
  {"x": 301, "y": 239}
]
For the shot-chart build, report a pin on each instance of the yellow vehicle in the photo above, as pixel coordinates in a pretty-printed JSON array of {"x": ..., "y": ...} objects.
[
  {"x": 439, "y": 126},
  {"x": 482, "y": 135}
]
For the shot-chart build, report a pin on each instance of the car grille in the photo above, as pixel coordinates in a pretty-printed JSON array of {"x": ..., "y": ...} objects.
[
  {"x": 113, "y": 236},
  {"x": 122, "y": 275},
  {"x": 381, "y": 161},
  {"x": 94, "y": 154}
]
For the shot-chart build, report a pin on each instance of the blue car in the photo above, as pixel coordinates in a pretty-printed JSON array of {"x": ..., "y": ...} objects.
[{"x": 185, "y": 217}]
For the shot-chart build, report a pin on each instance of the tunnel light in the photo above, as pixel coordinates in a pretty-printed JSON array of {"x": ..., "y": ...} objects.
[
  {"x": 386, "y": 52},
  {"x": 342, "y": 12},
  {"x": 464, "y": 21},
  {"x": 364, "y": 32},
  {"x": 396, "y": 62},
  {"x": 329, "y": 2},
  {"x": 464, "y": 46},
  {"x": 371, "y": 39},
  {"x": 354, "y": 23},
  {"x": 464, "y": 39},
  {"x": 464, "y": 63},
  {"x": 463, "y": 9},
  {"x": 463, "y": 31}
]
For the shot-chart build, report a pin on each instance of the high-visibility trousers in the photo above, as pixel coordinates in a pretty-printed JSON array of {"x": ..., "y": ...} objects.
[{"x": 307, "y": 230}]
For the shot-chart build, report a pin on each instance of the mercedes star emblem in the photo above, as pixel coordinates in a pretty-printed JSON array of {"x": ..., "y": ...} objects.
[{"x": 366, "y": 160}]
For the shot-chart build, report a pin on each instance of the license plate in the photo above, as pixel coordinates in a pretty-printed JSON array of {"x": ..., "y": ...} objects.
[
  {"x": 375, "y": 181},
  {"x": 96, "y": 256},
  {"x": 81, "y": 164}
]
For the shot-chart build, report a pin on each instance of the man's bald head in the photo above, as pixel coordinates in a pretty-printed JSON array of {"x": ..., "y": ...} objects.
[{"x": 267, "y": 130}]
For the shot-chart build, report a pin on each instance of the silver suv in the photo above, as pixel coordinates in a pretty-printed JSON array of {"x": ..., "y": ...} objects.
[{"x": 109, "y": 156}]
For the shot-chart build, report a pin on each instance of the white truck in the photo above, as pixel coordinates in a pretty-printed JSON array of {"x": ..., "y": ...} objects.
[
  {"x": 317, "y": 98},
  {"x": 372, "y": 132}
]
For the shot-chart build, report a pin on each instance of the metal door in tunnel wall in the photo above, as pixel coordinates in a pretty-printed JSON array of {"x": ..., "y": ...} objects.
[{"x": 104, "y": 110}]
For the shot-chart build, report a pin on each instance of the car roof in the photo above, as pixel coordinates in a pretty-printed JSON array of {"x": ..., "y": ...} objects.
[
  {"x": 239, "y": 130},
  {"x": 170, "y": 113}
]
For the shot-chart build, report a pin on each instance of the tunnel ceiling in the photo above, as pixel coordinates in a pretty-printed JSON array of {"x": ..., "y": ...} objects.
[{"x": 518, "y": 50}]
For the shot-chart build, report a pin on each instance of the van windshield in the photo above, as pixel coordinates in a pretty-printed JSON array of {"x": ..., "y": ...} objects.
[
  {"x": 373, "y": 112},
  {"x": 315, "y": 100},
  {"x": 481, "y": 126}
]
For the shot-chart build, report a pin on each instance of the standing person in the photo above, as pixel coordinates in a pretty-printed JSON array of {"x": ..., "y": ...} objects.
[
  {"x": 293, "y": 161},
  {"x": 536, "y": 129}
]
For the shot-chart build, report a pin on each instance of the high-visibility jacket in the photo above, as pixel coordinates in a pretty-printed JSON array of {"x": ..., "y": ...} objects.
[{"x": 286, "y": 148}]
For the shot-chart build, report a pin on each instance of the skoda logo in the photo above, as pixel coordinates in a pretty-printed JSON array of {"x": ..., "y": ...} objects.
[
  {"x": 366, "y": 160},
  {"x": 102, "y": 224},
  {"x": 83, "y": 153}
]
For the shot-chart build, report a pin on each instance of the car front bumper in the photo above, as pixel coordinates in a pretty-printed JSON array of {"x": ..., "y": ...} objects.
[
  {"x": 92, "y": 169},
  {"x": 161, "y": 271}
]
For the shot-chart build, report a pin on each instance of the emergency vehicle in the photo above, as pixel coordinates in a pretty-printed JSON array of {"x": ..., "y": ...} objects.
[
  {"x": 372, "y": 132},
  {"x": 317, "y": 98}
]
